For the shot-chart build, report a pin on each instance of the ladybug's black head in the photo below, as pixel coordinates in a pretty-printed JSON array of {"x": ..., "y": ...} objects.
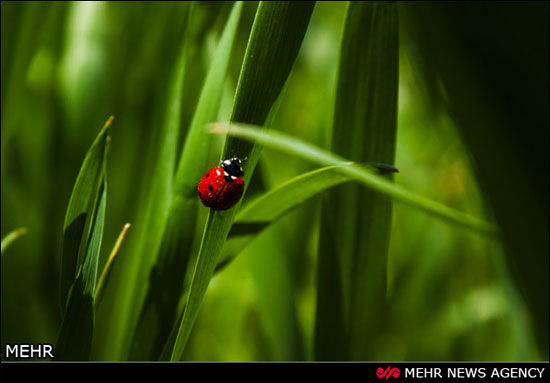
[{"x": 233, "y": 167}]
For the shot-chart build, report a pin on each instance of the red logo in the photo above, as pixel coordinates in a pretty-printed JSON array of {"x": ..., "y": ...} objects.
[{"x": 389, "y": 372}]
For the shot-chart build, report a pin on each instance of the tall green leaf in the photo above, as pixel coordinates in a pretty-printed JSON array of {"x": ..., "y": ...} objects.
[
  {"x": 356, "y": 222},
  {"x": 153, "y": 213},
  {"x": 159, "y": 311},
  {"x": 83, "y": 233},
  {"x": 274, "y": 42}
]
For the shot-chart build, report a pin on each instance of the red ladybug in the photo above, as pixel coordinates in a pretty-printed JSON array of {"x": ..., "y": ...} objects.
[{"x": 222, "y": 186}]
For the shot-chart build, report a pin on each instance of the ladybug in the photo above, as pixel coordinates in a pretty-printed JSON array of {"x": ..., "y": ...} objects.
[{"x": 222, "y": 186}]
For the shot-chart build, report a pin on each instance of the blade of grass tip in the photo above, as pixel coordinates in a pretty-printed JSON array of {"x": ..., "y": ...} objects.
[
  {"x": 153, "y": 214},
  {"x": 79, "y": 208},
  {"x": 75, "y": 336},
  {"x": 104, "y": 277},
  {"x": 12, "y": 236},
  {"x": 275, "y": 39},
  {"x": 166, "y": 279},
  {"x": 293, "y": 146},
  {"x": 356, "y": 222}
]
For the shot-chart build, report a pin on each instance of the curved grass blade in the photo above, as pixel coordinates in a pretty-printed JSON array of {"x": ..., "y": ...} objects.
[
  {"x": 12, "y": 236},
  {"x": 275, "y": 39},
  {"x": 288, "y": 195},
  {"x": 268, "y": 208},
  {"x": 104, "y": 277},
  {"x": 75, "y": 336},
  {"x": 256, "y": 216},
  {"x": 296, "y": 147},
  {"x": 159, "y": 311}
]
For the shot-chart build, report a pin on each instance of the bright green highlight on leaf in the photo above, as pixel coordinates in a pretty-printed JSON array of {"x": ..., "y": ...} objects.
[
  {"x": 104, "y": 277},
  {"x": 12, "y": 236}
]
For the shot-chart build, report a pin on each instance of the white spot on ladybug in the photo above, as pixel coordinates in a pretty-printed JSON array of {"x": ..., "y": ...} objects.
[
  {"x": 233, "y": 177},
  {"x": 225, "y": 174}
]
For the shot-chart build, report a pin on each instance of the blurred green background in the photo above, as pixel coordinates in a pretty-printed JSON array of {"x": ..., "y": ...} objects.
[{"x": 472, "y": 134}]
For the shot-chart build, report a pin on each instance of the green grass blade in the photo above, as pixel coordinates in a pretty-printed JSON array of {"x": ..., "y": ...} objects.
[
  {"x": 159, "y": 311},
  {"x": 287, "y": 196},
  {"x": 265, "y": 210},
  {"x": 197, "y": 143},
  {"x": 76, "y": 227},
  {"x": 12, "y": 236},
  {"x": 153, "y": 213},
  {"x": 270, "y": 261},
  {"x": 74, "y": 340},
  {"x": 274, "y": 42},
  {"x": 273, "y": 205},
  {"x": 104, "y": 277},
  {"x": 75, "y": 336},
  {"x": 298, "y": 148},
  {"x": 356, "y": 222}
]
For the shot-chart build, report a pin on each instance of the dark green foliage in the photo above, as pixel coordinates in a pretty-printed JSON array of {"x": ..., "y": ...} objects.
[{"x": 495, "y": 73}]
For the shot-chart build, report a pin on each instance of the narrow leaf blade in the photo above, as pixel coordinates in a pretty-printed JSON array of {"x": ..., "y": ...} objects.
[
  {"x": 296, "y": 147},
  {"x": 75, "y": 336},
  {"x": 273, "y": 205},
  {"x": 104, "y": 277},
  {"x": 356, "y": 222},
  {"x": 154, "y": 209},
  {"x": 276, "y": 36},
  {"x": 82, "y": 196},
  {"x": 159, "y": 311}
]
